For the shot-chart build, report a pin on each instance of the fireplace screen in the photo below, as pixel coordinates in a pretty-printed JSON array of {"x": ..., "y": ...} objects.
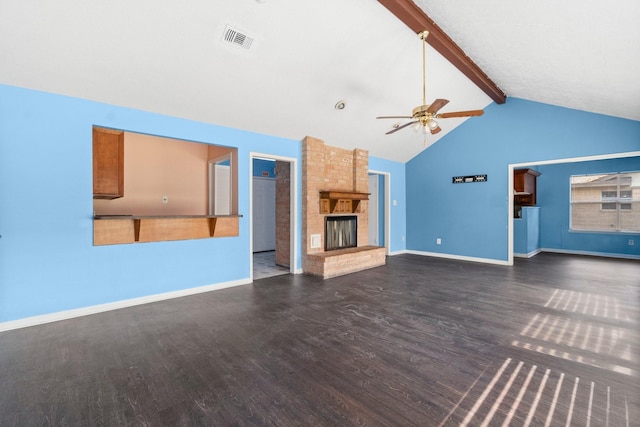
[{"x": 340, "y": 232}]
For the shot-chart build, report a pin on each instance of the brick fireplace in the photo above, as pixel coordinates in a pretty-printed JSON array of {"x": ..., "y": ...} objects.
[{"x": 335, "y": 183}]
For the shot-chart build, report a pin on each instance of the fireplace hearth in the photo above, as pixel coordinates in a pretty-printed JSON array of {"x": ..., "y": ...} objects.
[{"x": 340, "y": 232}]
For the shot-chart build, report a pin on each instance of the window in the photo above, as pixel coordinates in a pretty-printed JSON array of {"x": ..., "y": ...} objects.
[
  {"x": 606, "y": 202},
  {"x": 610, "y": 198}
]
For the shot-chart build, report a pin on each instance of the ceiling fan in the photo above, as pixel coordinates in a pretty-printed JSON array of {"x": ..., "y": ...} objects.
[{"x": 424, "y": 116}]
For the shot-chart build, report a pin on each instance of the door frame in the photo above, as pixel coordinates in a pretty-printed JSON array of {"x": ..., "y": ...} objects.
[
  {"x": 293, "y": 212},
  {"x": 387, "y": 208},
  {"x": 211, "y": 181},
  {"x": 512, "y": 166}
]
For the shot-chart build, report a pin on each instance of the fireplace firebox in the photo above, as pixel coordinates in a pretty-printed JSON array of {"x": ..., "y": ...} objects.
[{"x": 340, "y": 232}]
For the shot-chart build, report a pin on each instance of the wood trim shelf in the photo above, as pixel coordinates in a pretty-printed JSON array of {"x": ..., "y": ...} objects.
[{"x": 119, "y": 229}]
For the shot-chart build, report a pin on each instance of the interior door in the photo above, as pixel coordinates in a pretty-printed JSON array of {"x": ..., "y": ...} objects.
[
  {"x": 264, "y": 214},
  {"x": 222, "y": 185},
  {"x": 373, "y": 211}
]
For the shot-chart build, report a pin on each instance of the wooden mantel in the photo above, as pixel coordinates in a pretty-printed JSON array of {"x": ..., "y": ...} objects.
[
  {"x": 332, "y": 194},
  {"x": 335, "y": 201}
]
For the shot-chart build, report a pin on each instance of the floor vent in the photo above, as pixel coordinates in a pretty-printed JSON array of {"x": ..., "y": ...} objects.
[{"x": 237, "y": 38}]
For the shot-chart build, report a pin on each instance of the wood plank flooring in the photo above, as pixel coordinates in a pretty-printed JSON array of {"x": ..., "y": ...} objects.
[{"x": 553, "y": 340}]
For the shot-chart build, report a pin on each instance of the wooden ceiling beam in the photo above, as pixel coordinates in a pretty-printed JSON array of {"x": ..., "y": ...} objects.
[{"x": 415, "y": 18}]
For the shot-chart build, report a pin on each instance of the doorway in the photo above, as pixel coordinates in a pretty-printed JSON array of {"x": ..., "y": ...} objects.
[
  {"x": 264, "y": 214},
  {"x": 559, "y": 249},
  {"x": 379, "y": 211},
  {"x": 374, "y": 233},
  {"x": 272, "y": 216}
]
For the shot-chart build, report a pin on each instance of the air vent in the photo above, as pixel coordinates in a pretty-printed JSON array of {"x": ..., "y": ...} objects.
[{"x": 237, "y": 38}]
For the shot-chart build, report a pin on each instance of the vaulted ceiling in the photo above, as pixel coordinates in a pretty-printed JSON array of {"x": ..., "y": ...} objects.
[{"x": 169, "y": 57}]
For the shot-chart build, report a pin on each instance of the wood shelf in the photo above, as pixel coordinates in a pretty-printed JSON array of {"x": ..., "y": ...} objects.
[{"x": 119, "y": 229}]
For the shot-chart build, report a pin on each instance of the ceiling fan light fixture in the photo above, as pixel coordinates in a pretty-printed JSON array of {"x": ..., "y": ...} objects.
[{"x": 432, "y": 124}]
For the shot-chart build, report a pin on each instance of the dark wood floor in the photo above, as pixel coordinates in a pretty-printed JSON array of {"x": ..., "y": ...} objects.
[{"x": 420, "y": 341}]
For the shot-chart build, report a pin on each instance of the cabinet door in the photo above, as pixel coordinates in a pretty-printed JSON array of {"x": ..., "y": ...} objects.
[
  {"x": 518, "y": 180},
  {"x": 108, "y": 164}
]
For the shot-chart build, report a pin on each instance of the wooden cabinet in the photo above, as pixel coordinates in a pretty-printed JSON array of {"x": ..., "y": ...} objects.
[
  {"x": 524, "y": 183},
  {"x": 108, "y": 163}
]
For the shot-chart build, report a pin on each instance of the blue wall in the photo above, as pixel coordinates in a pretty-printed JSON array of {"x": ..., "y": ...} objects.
[
  {"x": 264, "y": 168},
  {"x": 472, "y": 219},
  {"x": 47, "y": 259},
  {"x": 554, "y": 196}
]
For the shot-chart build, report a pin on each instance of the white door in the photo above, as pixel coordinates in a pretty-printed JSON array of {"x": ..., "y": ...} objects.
[
  {"x": 373, "y": 210},
  {"x": 222, "y": 177},
  {"x": 264, "y": 214}
]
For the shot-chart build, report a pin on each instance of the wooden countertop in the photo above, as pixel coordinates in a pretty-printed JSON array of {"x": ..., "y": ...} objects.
[{"x": 162, "y": 216}]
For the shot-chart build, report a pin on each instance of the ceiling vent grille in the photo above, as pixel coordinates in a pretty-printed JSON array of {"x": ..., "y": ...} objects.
[{"x": 237, "y": 38}]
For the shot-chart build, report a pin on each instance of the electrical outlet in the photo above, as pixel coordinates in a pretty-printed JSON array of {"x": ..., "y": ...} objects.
[
  {"x": 165, "y": 199},
  {"x": 631, "y": 242},
  {"x": 438, "y": 241}
]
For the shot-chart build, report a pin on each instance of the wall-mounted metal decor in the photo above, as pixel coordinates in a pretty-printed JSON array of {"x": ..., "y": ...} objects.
[{"x": 469, "y": 178}]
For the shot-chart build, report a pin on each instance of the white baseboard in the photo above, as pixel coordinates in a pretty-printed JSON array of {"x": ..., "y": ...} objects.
[
  {"x": 95, "y": 309},
  {"x": 590, "y": 253},
  {"x": 394, "y": 253},
  {"x": 529, "y": 255},
  {"x": 460, "y": 257}
]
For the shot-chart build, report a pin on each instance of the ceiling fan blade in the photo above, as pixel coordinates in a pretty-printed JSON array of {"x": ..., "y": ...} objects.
[
  {"x": 436, "y": 130},
  {"x": 436, "y": 105},
  {"x": 469, "y": 113},
  {"x": 394, "y": 117},
  {"x": 401, "y": 127}
]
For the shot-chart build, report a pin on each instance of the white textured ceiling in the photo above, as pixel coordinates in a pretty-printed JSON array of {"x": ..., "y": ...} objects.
[
  {"x": 166, "y": 56},
  {"x": 572, "y": 53}
]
